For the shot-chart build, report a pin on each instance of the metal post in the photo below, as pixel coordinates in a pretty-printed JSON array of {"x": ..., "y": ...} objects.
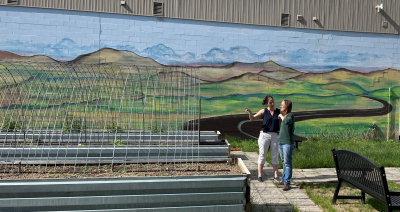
[
  {"x": 388, "y": 126},
  {"x": 199, "y": 118}
]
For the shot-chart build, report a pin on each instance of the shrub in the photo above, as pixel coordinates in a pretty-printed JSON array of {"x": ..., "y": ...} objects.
[
  {"x": 112, "y": 127},
  {"x": 72, "y": 124},
  {"x": 117, "y": 143},
  {"x": 10, "y": 126}
]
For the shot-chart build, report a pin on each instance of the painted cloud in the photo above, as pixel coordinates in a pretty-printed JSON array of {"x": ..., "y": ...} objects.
[{"x": 301, "y": 59}]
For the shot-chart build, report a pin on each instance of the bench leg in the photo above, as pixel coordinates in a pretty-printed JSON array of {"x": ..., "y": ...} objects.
[
  {"x": 335, "y": 195},
  {"x": 363, "y": 196}
]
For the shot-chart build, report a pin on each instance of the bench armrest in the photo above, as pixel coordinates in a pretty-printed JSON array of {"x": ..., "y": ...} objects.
[{"x": 394, "y": 193}]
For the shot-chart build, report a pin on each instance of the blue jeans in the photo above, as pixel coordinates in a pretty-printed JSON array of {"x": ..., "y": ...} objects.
[{"x": 286, "y": 152}]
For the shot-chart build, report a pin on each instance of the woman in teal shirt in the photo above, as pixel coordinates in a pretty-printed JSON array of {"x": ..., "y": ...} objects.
[{"x": 286, "y": 142}]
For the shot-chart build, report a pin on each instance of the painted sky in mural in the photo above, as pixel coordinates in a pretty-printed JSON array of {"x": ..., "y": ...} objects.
[
  {"x": 300, "y": 59},
  {"x": 64, "y": 35}
]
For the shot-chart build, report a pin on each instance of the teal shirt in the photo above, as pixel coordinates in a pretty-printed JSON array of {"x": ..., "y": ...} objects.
[{"x": 287, "y": 130}]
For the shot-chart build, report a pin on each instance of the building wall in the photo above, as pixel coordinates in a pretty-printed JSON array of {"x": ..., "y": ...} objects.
[
  {"x": 318, "y": 70},
  {"x": 354, "y": 15}
]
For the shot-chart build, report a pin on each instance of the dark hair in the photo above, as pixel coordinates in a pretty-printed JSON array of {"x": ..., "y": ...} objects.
[
  {"x": 288, "y": 104},
  {"x": 265, "y": 100}
]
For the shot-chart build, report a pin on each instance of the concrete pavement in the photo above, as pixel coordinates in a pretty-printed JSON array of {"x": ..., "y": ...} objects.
[{"x": 266, "y": 196}]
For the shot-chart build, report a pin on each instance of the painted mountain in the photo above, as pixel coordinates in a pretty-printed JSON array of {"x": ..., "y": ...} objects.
[
  {"x": 247, "y": 78},
  {"x": 108, "y": 55},
  {"x": 268, "y": 69},
  {"x": 9, "y": 56}
]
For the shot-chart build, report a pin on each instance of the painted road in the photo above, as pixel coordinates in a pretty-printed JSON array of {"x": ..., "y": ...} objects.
[{"x": 240, "y": 125}]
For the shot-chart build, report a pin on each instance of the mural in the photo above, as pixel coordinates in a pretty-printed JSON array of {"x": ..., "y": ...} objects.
[
  {"x": 324, "y": 101},
  {"x": 336, "y": 90}
]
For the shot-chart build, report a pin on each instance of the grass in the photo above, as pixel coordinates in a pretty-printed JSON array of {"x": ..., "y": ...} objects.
[
  {"x": 341, "y": 128},
  {"x": 317, "y": 154},
  {"x": 322, "y": 194}
]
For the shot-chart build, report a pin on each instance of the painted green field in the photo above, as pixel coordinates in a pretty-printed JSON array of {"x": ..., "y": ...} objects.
[
  {"x": 55, "y": 92},
  {"x": 342, "y": 128},
  {"x": 236, "y": 104},
  {"x": 289, "y": 87}
]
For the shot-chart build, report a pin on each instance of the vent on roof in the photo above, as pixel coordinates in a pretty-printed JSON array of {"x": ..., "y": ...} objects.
[
  {"x": 285, "y": 19},
  {"x": 12, "y": 1},
  {"x": 158, "y": 9}
]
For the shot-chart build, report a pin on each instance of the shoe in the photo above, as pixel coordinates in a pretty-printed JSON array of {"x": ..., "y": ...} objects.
[
  {"x": 279, "y": 182},
  {"x": 276, "y": 179},
  {"x": 286, "y": 187},
  {"x": 259, "y": 179}
]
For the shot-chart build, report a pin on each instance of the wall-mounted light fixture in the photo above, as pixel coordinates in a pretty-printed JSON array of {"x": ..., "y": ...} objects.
[
  {"x": 379, "y": 8},
  {"x": 299, "y": 17}
]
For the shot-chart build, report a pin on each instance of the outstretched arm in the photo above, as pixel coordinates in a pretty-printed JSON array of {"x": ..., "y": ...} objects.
[{"x": 256, "y": 116}]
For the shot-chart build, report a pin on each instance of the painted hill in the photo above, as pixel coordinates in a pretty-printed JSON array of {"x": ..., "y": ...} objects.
[
  {"x": 271, "y": 66},
  {"x": 368, "y": 81},
  {"x": 275, "y": 71},
  {"x": 383, "y": 73},
  {"x": 337, "y": 75},
  {"x": 247, "y": 83},
  {"x": 39, "y": 58},
  {"x": 279, "y": 75},
  {"x": 9, "y": 56},
  {"x": 389, "y": 77},
  {"x": 179, "y": 76},
  {"x": 267, "y": 66},
  {"x": 4, "y": 55},
  {"x": 246, "y": 77},
  {"x": 108, "y": 55},
  {"x": 268, "y": 69}
]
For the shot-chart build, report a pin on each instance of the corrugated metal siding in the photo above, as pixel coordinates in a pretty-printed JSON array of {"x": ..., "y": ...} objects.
[
  {"x": 175, "y": 193},
  {"x": 342, "y": 15}
]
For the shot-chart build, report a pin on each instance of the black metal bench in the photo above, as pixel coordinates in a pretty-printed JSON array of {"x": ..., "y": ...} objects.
[
  {"x": 297, "y": 140},
  {"x": 365, "y": 175}
]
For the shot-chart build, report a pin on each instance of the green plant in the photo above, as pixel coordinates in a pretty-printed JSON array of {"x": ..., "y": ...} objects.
[
  {"x": 10, "y": 126},
  {"x": 154, "y": 128},
  {"x": 112, "y": 127},
  {"x": 295, "y": 208},
  {"x": 117, "y": 143},
  {"x": 72, "y": 124},
  {"x": 246, "y": 145},
  {"x": 27, "y": 143}
]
